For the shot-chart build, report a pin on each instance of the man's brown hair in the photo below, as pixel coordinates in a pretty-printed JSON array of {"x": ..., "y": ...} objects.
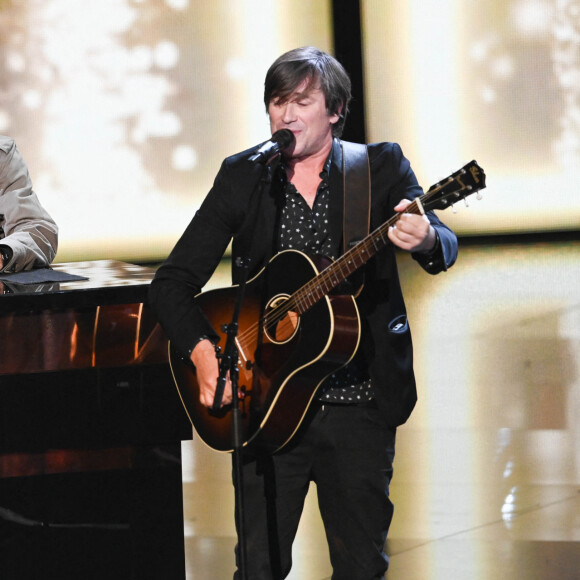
[{"x": 321, "y": 70}]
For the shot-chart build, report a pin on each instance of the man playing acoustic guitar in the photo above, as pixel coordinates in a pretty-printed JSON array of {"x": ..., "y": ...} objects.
[{"x": 344, "y": 436}]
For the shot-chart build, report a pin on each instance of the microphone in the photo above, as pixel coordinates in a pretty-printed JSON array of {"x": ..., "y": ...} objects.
[{"x": 272, "y": 148}]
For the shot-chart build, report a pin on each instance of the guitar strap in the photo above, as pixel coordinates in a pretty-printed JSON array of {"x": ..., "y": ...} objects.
[{"x": 357, "y": 200}]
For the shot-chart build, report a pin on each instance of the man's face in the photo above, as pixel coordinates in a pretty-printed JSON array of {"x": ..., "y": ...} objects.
[{"x": 304, "y": 113}]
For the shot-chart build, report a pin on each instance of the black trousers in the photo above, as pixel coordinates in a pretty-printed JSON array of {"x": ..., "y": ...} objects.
[{"x": 348, "y": 452}]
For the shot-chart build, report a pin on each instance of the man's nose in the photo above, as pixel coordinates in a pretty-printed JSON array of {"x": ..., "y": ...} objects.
[{"x": 289, "y": 113}]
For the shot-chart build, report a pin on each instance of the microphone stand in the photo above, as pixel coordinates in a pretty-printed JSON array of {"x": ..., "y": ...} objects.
[{"x": 229, "y": 364}]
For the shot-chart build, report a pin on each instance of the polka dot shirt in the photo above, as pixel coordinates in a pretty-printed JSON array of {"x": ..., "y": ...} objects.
[{"x": 307, "y": 230}]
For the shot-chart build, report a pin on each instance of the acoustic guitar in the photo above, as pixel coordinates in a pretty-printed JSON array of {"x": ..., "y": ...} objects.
[{"x": 293, "y": 332}]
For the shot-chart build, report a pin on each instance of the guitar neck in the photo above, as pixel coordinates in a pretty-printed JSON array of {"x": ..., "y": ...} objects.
[
  {"x": 444, "y": 194},
  {"x": 339, "y": 270}
]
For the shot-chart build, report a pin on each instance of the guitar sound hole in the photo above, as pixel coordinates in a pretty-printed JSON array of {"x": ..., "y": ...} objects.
[{"x": 281, "y": 324}]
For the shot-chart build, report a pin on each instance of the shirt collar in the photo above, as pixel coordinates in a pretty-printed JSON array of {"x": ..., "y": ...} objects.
[{"x": 282, "y": 175}]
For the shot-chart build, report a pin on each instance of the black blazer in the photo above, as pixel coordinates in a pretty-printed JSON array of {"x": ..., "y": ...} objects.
[{"x": 242, "y": 208}]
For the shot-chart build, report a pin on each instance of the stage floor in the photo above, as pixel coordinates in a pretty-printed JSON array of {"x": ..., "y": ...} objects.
[{"x": 487, "y": 473}]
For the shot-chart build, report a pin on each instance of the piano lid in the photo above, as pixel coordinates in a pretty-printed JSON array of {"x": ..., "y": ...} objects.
[
  {"x": 99, "y": 319},
  {"x": 95, "y": 283}
]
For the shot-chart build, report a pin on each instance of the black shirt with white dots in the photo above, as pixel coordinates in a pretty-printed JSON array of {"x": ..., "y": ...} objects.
[{"x": 307, "y": 230}]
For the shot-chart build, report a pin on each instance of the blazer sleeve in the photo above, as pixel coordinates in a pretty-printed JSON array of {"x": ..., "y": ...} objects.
[
  {"x": 444, "y": 254},
  {"x": 191, "y": 264},
  {"x": 393, "y": 174},
  {"x": 25, "y": 226}
]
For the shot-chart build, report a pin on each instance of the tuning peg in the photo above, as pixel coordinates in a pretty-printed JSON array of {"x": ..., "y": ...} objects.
[
  {"x": 465, "y": 202},
  {"x": 479, "y": 196}
]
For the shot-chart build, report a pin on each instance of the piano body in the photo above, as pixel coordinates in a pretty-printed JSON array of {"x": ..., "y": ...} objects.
[{"x": 90, "y": 430}]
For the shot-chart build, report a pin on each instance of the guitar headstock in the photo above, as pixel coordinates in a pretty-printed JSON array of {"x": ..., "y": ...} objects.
[{"x": 464, "y": 182}]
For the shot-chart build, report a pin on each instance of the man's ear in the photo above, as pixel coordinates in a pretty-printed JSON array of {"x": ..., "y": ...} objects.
[{"x": 337, "y": 116}]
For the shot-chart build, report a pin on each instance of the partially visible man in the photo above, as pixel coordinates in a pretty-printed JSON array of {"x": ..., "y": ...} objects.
[{"x": 28, "y": 235}]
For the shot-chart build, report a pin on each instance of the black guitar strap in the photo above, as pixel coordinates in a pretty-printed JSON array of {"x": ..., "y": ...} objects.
[{"x": 357, "y": 199}]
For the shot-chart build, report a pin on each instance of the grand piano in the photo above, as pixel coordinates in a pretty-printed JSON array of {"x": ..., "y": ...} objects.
[{"x": 90, "y": 429}]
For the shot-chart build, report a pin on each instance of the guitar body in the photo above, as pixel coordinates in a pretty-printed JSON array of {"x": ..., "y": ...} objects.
[
  {"x": 284, "y": 355},
  {"x": 293, "y": 332}
]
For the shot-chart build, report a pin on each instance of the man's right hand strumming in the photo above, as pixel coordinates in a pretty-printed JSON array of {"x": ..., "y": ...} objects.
[{"x": 206, "y": 364}]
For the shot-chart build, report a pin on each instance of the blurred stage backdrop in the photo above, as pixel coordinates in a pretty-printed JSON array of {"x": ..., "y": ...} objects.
[{"x": 124, "y": 109}]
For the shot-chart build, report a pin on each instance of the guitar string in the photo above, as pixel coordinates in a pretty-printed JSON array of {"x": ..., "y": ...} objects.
[
  {"x": 310, "y": 293},
  {"x": 312, "y": 290},
  {"x": 313, "y": 287}
]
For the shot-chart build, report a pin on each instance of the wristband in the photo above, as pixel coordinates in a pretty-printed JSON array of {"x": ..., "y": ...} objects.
[{"x": 6, "y": 255}]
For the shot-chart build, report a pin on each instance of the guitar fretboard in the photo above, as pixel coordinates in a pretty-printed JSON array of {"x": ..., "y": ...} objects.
[
  {"x": 337, "y": 272},
  {"x": 442, "y": 195}
]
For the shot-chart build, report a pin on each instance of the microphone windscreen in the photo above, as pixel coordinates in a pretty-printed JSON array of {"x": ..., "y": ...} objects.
[{"x": 284, "y": 138}]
